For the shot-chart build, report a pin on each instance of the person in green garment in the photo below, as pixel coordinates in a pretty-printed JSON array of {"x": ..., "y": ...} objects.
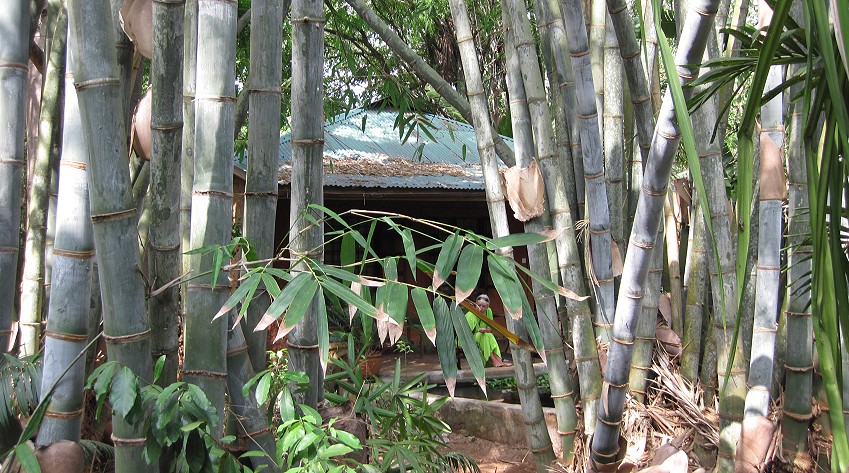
[{"x": 483, "y": 334}]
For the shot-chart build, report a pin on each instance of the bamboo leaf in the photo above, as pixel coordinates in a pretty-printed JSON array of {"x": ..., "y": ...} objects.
[
  {"x": 349, "y": 296},
  {"x": 298, "y": 308},
  {"x": 271, "y": 285},
  {"x": 506, "y": 282},
  {"x": 446, "y": 259},
  {"x": 446, "y": 343},
  {"x": 323, "y": 332},
  {"x": 468, "y": 271},
  {"x": 470, "y": 348},
  {"x": 27, "y": 459},
  {"x": 523, "y": 239},
  {"x": 531, "y": 325},
  {"x": 249, "y": 285},
  {"x": 282, "y": 302},
  {"x": 217, "y": 264},
  {"x": 347, "y": 253},
  {"x": 425, "y": 313}
]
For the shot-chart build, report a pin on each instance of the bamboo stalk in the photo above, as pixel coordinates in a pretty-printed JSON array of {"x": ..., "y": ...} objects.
[
  {"x": 68, "y": 315},
  {"x": 205, "y": 340},
  {"x": 166, "y": 128},
  {"x": 126, "y": 325},
  {"x": 567, "y": 252},
  {"x": 263, "y": 142},
  {"x": 597, "y": 38},
  {"x": 597, "y": 202},
  {"x": 13, "y": 73},
  {"x": 190, "y": 34},
  {"x": 307, "y": 177},
  {"x": 673, "y": 262},
  {"x": 49, "y": 133},
  {"x": 605, "y": 443},
  {"x": 694, "y": 313},
  {"x": 529, "y": 398},
  {"x": 614, "y": 137},
  {"x": 799, "y": 359},
  {"x": 645, "y": 333}
]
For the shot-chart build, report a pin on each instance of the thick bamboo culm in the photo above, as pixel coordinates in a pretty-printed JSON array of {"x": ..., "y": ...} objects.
[
  {"x": 13, "y": 72},
  {"x": 125, "y": 322},
  {"x": 205, "y": 340},
  {"x": 605, "y": 443},
  {"x": 614, "y": 134},
  {"x": 187, "y": 160},
  {"x": 263, "y": 140},
  {"x": 306, "y": 238},
  {"x": 49, "y": 134},
  {"x": 596, "y": 192},
  {"x": 68, "y": 315},
  {"x": 166, "y": 130}
]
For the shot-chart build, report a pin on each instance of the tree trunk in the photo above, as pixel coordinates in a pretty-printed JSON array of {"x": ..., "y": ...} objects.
[
  {"x": 205, "y": 362},
  {"x": 605, "y": 443},
  {"x": 49, "y": 126},
  {"x": 306, "y": 238},
  {"x": 263, "y": 143},
  {"x": 14, "y": 57},
  {"x": 68, "y": 314},
  {"x": 166, "y": 128},
  {"x": 597, "y": 203},
  {"x": 126, "y": 325}
]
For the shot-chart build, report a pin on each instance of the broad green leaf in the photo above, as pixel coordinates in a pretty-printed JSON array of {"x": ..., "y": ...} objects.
[
  {"x": 263, "y": 387},
  {"x": 191, "y": 426},
  {"x": 249, "y": 285},
  {"x": 323, "y": 332},
  {"x": 507, "y": 284},
  {"x": 282, "y": 302},
  {"x": 158, "y": 367},
  {"x": 298, "y": 308},
  {"x": 468, "y": 271},
  {"x": 446, "y": 343},
  {"x": 409, "y": 249},
  {"x": 340, "y": 274},
  {"x": 124, "y": 391},
  {"x": 205, "y": 410},
  {"x": 522, "y": 239},
  {"x": 27, "y": 459},
  {"x": 529, "y": 321},
  {"x": 334, "y": 451},
  {"x": 348, "y": 296},
  {"x": 286, "y": 405},
  {"x": 425, "y": 312},
  {"x": 446, "y": 259},
  {"x": 347, "y": 253}
]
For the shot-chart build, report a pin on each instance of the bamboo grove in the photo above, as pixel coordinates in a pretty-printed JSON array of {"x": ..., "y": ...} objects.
[{"x": 693, "y": 165}]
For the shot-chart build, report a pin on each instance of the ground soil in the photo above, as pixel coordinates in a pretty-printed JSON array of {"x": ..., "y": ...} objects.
[{"x": 492, "y": 457}]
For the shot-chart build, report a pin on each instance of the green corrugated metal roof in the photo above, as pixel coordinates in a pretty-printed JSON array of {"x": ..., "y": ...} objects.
[{"x": 370, "y": 146}]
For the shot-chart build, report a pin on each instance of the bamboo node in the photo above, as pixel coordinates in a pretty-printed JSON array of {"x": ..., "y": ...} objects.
[
  {"x": 617, "y": 386},
  {"x": 309, "y": 19},
  {"x": 64, "y": 415},
  {"x": 66, "y": 337},
  {"x": 666, "y": 136},
  {"x": 302, "y": 347},
  {"x": 240, "y": 349},
  {"x": 13, "y": 162},
  {"x": 166, "y": 352},
  {"x": 798, "y": 314},
  {"x": 540, "y": 450},
  {"x": 163, "y": 249},
  {"x": 211, "y": 193},
  {"x": 203, "y": 374},
  {"x": 655, "y": 193},
  {"x": 8, "y": 249},
  {"x": 261, "y": 194},
  {"x": 592, "y": 116},
  {"x": 798, "y": 417},
  {"x": 252, "y": 435},
  {"x": 767, "y": 267},
  {"x": 640, "y": 368},
  {"x": 564, "y": 395},
  {"x": 628, "y": 57},
  {"x": 619, "y": 9},
  {"x": 312, "y": 141},
  {"x": 589, "y": 177},
  {"x": 124, "y": 339},
  {"x": 704, "y": 12},
  {"x": 561, "y": 433},
  {"x": 167, "y": 126},
  {"x": 73, "y": 254},
  {"x": 463, "y": 39},
  {"x": 645, "y": 246},
  {"x": 486, "y": 147},
  {"x": 119, "y": 442},
  {"x": 611, "y": 423},
  {"x": 173, "y": 2},
  {"x": 13, "y": 65},
  {"x": 105, "y": 81},
  {"x": 266, "y": 90},
  {"x": 474, "y": 94},
  {"x": 215, "y": 98},
  {"x": 764, "y": 330},
  {"x": 73, "y": 164},
  {"x": 113, "y": 216},
  {"x": 799, "y": 369}
]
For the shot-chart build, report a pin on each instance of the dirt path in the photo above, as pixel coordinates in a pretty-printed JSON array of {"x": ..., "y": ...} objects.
[{"x": 492, "y": 457}]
